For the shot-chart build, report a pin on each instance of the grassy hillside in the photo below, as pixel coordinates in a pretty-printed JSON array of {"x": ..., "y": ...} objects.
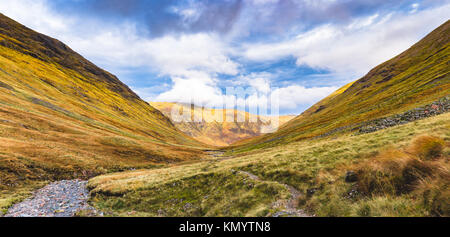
[
  {"x": 418, "y": 76},
  {"x": 336, "y": 170},
  {"x": 63, "y": 117},
  {"x": 217, "y": 133},
  {"x": 401, "y": 171}
]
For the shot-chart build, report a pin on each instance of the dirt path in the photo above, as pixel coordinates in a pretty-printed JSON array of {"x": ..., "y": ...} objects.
[
  {"x": 59, "y": 199},
  {"x": 290, "y": 206}
]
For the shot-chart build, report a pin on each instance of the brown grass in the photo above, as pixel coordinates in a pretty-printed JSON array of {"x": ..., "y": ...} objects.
[
  {"x": 422, "y": 173},
  {"x": 392, "y": 172},
  {"x": 316, "y": 168},
  {"x": 428, "y": 147}
]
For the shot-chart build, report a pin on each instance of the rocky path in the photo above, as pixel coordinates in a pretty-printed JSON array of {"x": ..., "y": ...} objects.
[
  {"x": 290, "y": 207},
  {"x": 59, "y": 199}
]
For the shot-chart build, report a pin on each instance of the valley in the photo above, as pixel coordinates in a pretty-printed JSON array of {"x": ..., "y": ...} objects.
[
  {"x": 398, "y": 169},
  {"x": 379, "y": 146},
  {"x": 218, "y": 133},
  {"x": 317, "y": 168}
]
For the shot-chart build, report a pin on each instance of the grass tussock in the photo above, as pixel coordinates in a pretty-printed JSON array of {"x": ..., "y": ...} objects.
[
  {"x": 393, "y": 172},
  {"x": 428, "y": 147},
  {"x": 422, "y": 175}
]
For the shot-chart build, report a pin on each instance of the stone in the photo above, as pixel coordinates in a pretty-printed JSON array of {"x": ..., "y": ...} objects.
[{"x": 351, "y": 177}]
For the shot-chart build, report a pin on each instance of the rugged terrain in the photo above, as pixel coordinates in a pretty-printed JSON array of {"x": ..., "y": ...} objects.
[
  {"x": 65, "y": 198},
  {"x": 62, "y": 117},
  {"x": 218, "y": 132},
  {"x": 385, "y": 173}
]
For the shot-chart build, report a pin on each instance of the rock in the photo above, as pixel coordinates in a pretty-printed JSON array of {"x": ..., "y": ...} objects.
[
  {"x": 435, "y": 108},
  {"x": 59, "y": 199},
  {"x": 311, "y": 191},
  {"x": 351, "y": 177},
  {"x": 187, "y": 206}
]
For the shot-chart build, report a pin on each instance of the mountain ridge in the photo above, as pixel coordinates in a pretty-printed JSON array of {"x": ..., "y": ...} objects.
[
  {"x": 63, "y": 117},
  {"x": 218, "y": 133},
  {"x": 416, "y": 77}
]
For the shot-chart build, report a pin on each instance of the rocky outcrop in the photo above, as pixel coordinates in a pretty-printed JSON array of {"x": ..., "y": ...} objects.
[{"x": 438, "y": 107}]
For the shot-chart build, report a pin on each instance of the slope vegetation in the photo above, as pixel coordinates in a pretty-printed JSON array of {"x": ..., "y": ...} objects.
[
  {"x": 417, "y": 77},
  {"x": 400, "y": 171},
  {"x": 63, "y": 117},
  {"x": 218, "y": 132}
]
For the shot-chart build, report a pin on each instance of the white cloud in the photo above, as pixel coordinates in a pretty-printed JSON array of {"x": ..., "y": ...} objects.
[
  {"x": 354, "y": 48},
  {"x": 194, "y": 86},
  {"x": 294, "y": 96},
  {"x": 414, "y": 8},
  {"x": 121, "y": 46},
  {"x": 36, "y": 15},
  {"x": 202, "y": 90}
]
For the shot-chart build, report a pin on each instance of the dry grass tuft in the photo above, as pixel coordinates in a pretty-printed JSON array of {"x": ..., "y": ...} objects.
[
  {"x": 428, "y": 147},
  {"x": 392, "y": 172},
  {"x": 422, "y": 173}
]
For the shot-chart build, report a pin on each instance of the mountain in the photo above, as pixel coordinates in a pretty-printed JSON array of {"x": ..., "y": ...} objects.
[
  {"x": 217, "y": 133},
  {"x": 416, "y": 77},
  {"x": 63, "y": 117}
]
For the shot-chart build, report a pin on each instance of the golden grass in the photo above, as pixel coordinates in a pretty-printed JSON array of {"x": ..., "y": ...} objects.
[
  {"x": 318, "y": 165},
  {"x": 428, "y": 147},
  {"x": 61, "y": 117}
]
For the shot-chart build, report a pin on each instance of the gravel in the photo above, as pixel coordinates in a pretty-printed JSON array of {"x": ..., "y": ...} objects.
[{"x": 59, "y": 199}]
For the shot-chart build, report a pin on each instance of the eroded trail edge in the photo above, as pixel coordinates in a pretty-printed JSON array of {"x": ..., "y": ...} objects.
[
  {"x": 290, "y": 207},
  {"x": 65, "y": 198}
]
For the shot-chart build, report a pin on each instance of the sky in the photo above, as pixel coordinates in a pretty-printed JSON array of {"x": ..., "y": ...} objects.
[{"x": 192, "y": 50}]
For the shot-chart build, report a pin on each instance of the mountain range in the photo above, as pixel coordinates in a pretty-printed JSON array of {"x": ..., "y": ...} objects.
[{"x": 205, "y": 127}]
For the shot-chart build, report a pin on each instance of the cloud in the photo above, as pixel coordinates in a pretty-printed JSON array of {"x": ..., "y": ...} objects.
[
  {"x": 194, "y": 87},
  {"x": 292, "y": 97},
  {"x": 161, "y": 17},
  {"x": 355, "y": 47},
  {"x": 118, "y": 46},
  {"x": 203, "y": 91},
  {"x": 414, "y": 7},
  {"x": 37, "y": 15}
]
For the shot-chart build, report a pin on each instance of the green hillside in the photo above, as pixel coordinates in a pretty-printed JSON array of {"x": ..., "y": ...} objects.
[
  {"x": 417, "y": 77},
  {"x": 63, "y": 117}
]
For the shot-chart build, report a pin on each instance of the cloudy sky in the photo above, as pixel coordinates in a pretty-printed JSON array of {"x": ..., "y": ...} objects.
[{"x": 169, "y": 50}]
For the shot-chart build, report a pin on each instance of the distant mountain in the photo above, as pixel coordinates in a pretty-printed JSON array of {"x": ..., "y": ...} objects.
[
  {"x": 417, "y": 77},
  {"x": 218, "y": 133},
  {"x": 61, "y": 116}
]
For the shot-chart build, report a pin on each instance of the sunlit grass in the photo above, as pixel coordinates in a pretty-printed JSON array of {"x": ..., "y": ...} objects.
[{"x": 315, "y": 167}]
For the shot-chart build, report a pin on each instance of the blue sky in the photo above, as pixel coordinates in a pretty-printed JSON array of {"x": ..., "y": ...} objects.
[{"x": 169, "y": 50}]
